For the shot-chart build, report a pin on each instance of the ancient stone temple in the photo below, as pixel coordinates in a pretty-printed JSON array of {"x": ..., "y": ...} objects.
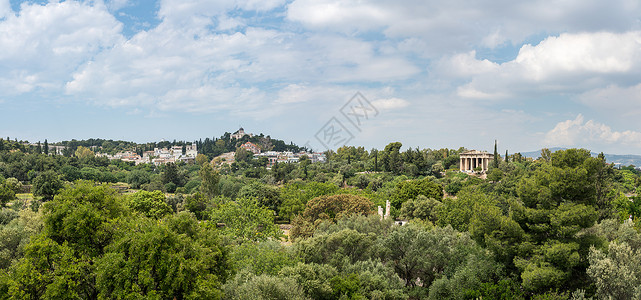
[{"x": 473, "y": 159}]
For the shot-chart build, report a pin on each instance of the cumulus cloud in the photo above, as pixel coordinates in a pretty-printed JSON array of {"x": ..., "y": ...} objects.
[
  {"x": 43, "y": 44},
  {"x": 5, "y": 9},
  {"x": 155, "y": 66},
  {"x": 579, "y": 132},
  {"x": 564, "y": 63},
  {"x": 458, "y": 25}
]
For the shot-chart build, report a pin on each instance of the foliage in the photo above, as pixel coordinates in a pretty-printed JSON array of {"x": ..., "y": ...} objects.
[
  {"x": 150, "y": 204},
  {"x": 6, "y": 194},
  {"x": 315, "y": 279},
  {"x": 47, "y": 185},
  {"x": 295, "y": 196},
  {"x": 258, "y": 287},
  {"x": 335, "y": 206},
  {"x": 266, "y": 195},
  {"x": 209, "y": 181},
  {"x": 328, "y": 208},
  {"x": 48, "y": 270},
  {"x": 244, "y": 219},
  {"x": 137, "y": 178},
  {"x": 338, "y": 249},
  {"x": 266, "y": 257},
  {"x": 15, "y": 235},
  {"x": 422, "y": 208},
  {"x": 177, "y": 258},
  {"x": 411, "y": 189},
  {"x": 84, "y": 217}
]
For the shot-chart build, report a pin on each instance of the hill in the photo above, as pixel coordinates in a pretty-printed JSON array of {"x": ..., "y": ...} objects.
[{"x": 618, "y": 159}]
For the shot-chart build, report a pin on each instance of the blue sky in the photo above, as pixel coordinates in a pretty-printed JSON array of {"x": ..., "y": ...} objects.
[{"x": 529, "y": 74}]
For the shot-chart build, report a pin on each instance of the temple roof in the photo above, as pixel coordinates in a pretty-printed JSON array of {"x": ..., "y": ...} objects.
[{"x": 474, "y": 152}]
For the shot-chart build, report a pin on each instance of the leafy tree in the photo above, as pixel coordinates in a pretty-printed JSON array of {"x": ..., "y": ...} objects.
[
  {"x": 15, "y": 235},
  {"x": 197, "y": 204},
  {"x": 267, "y": 257},
  {"x": 422, "y": 208},
  {"x": 6, "y": 194},
  {"x": 90, "y": 173},
  {"x": 201, "y": 159},
  {"x": 495, "y": 175},
  {"x": 391, "y": 158},
  {"x": 170, "y": 187},
  {"x": 46, "y": 147},
  {"x": 430, "y": 254},
  {"x": 47, "y": 184},
  {"x": 210, "y": 180},
  {"x": 14, "y": 185},
  {"x": 295, "y": 196},
  {"x": 48, "y": 270},
  {"x": 335, "y": 206},
  {"x": 171, "y": 174},
  {"x": 177, "y": 258},
  {"x": 338, "y": 249},
  {"x": 250, "y": 286},
  {"x": 83, "y": 216},
  {"x": 315, "y": 279},
  {"x": 268, "y": 196},
  {"x": 376, "y": 280},
  {"x": 406, "y": 190},
  {"x": 150, "y": 204},
  {"x": 242, "y": 155},
  {"x": 83, "y": 153},
  {"x": 244, "y": 220},
  {"x": 70, "y": 173},
  {"x": 137, "y": 178},
  {"x": 328, "y": 208}
]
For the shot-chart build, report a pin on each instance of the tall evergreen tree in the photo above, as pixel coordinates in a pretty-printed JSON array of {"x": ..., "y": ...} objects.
[
  {"x": 506, "y": 160},
  {"x": 38, "y": 148},
  {"x": 375, "y": 160},
  {"x": 1, "y": 145},
  {"x": 496, "y": 156},
  {"x": 46, "y": 147}
]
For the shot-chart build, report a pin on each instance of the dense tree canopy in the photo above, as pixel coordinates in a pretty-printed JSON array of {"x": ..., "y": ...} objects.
[{"x": 77, "y": 225}]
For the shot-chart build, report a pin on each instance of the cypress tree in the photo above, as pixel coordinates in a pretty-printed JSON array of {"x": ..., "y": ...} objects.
[
  {"x": 496, "y": 156},
  {"x": 506, "y": 156},
  {"x": 46, "y": 147},
  {"x": 376, "y": 161},
  {"x": 38, "y": 148},
  {"x": 1, "y": 144}
]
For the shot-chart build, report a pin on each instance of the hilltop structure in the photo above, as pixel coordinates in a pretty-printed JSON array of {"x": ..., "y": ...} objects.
[{"x": 240, "y": 134}]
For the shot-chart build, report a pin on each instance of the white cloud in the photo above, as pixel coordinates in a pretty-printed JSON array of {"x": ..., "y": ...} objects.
[
  {"x": 448, "y": 26},
  {"x": 115, "y": 5},
  {"x": 569, "y": 63},
  {"x": 579, "y": 132},
  {"x": 465, "y": 65},
  {"x": 155, "y": 66},
  {"x": 390, "y": 103},
  {"x": 42, "y": 45},
  {"x": 5, "y": 9}
]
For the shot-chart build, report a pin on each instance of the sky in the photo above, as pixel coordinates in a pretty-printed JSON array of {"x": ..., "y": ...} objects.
[{"x": 325, "y": 73}]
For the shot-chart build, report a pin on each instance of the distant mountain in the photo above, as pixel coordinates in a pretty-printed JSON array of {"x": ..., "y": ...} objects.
[{"x": 618, "y": 159}]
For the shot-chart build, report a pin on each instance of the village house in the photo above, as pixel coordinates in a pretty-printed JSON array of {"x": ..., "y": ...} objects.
[
  {"x": 251, "y": 147},
  {"x": 159, "y": 156}
]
